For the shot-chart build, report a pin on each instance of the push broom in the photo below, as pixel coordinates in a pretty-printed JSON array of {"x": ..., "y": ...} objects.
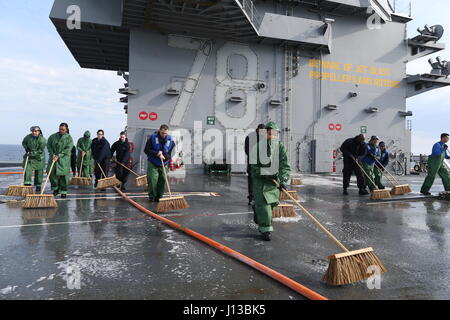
[
  {"x": 140, "y": 180},
  {"x": 107, "y": 182},
  {"x": 397, "y": 188},
  {"x": 293, "y": 193},
  {"x": 81, "y": 181},
  {"x": 296, "y": 182},
  {"x": 170, "y": 203},
  {"x": 23, "y": 190},
  {"x": 376, "y": 194},
  {"x": 348, "y": 267},
  {"x": 284, "y": 210},
  {"x": 35, "y": 201}
]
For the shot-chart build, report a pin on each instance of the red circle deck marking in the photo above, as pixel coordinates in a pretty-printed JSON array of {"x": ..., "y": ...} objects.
[
  {"x": 331, "y": 126},
  {"x": 338, "y": 127}
]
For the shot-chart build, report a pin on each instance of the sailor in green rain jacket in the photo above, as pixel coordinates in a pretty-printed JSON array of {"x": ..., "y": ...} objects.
[
  {"x": 59, "y": 148},
  {"x": 268, "y": 162},
  {"x": 84, "y": 148},
  {"x": 436, "y": 165},
  {"x": 34, "y": 145}
]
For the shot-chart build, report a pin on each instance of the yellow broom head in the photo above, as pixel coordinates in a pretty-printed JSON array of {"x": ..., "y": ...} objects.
[
  {"x": 380, "y": 194},
  {"x": 141, "y": 181},
  {"x": 294, "y": 195},
  {"x": 80, "y": 181},
  {"x": 108, "y": 183},
  {"x": 19, "y": 191},
  {"x": 296, "y": 182},
  {"x": 351, "y": 267},
  {"x": 284, "y": 211},
  {"x": 38, "y": 214},
  {"x": 35, "y": 201},
  {"x": 172, "y": 204}
]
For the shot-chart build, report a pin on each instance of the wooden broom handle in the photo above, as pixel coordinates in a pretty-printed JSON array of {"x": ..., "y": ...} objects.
[
  {"x": 25, "y": 169},
  {"x": 127, "y": 168},
  {"x": 165, "y": 176},
  {"x": 48, "y": 177},
  {"x": 101, "y": 169},
  {"x": 393, "y": 179},
  {"x": 313, "y": 218},
  {"x": 365, "y": 173},
  {"x": 81, "y": 166}
]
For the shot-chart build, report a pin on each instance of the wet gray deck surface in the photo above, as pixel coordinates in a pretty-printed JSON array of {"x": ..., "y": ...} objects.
[{"x": 123, "y": 254}]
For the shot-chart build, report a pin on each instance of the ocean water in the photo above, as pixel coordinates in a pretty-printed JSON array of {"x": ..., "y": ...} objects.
[{"x": 11, "y": 152}]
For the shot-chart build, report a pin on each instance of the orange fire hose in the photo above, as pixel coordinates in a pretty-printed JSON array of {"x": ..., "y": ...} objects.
[{"x": 308, "y": 293}]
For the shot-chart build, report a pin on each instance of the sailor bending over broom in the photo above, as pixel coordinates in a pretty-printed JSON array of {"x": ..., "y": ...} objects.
[
  {"x": 159, "y": 150},
  {"x": 268, "y": 162}
]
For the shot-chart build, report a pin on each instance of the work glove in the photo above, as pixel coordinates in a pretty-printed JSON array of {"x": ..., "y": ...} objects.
[
  {"x": 282, "y": 186},
  {"x": 271, "y": 178},
  {"x": 445, "y": 147}
]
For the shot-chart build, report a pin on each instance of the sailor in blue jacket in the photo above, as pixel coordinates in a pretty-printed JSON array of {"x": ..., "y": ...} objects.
[
  {"x": 380, "y": 165},
  {"x": 158, "y": 149},
  {"x": 368, "y": 161},
  {"x": 436, "y": 165}
]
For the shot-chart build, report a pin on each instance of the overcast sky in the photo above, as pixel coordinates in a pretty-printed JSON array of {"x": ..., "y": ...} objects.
[{"x": 41, "y": 83}]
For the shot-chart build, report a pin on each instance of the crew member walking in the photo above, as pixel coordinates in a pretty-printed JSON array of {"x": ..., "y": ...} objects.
[
  {"x": 436, "y": 165},
  {"x": 268, "y": 162}
]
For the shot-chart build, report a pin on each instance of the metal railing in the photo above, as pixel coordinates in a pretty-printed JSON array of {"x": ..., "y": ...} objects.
[
  {"x": 252, "y": 13},
  {"x": 402, "y": 7}
]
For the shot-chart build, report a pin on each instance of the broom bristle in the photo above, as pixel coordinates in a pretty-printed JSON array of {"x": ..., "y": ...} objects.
[
  {"x": 19, "y": 191},
  {"x": 141, "y": 181},
  {"x": 40, "y": 201},
  {"x": 401, "y": 190},
  {"x": 293, "y": 193},
  {"x": 80, "y": 181},
  {"x": 351, "y": 267},
  {"x": 407, "y": 189},
  {"x": 284, "y": 211},
  {"x": 85, "y": 181},
  {"x": 108, "y": 183},
  {"x": 380, "y": 194},
  {"x": 171, "y": 204}
]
